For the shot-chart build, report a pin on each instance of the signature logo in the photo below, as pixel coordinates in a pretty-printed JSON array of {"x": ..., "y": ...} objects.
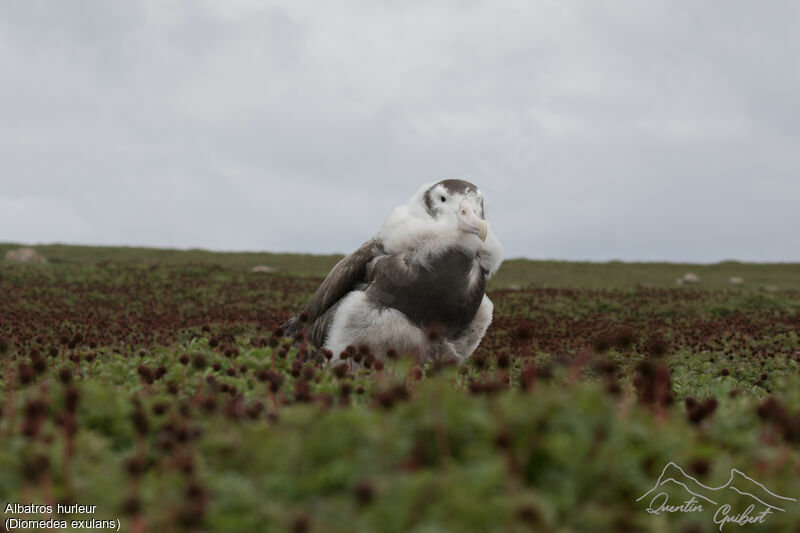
[{"x": 678, "y": 492}]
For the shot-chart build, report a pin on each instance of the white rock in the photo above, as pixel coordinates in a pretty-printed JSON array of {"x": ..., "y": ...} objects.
[
  {"x": 771, "y": 288},
  {"x": 736, "y": 280},
  {"x": 264, "y": 269},
  {"x": 690, "y": 277},
  {"x": 24, "y": 255}
]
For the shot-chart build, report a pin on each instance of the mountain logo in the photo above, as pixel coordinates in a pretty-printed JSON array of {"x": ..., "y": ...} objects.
[{"x": 674, "y": 483}]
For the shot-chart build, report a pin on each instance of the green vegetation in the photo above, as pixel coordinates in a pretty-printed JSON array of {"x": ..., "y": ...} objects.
[
  {"x": 523, "y": 272},
  {"x": 148, "y": 383}
]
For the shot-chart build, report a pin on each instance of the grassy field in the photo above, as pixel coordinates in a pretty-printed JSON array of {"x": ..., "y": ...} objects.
[
  {"x": 146, "y": 382},
  {"x": 614, "y": 274}
]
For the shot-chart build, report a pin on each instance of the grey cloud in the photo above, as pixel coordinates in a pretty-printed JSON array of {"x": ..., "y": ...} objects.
[{"x": 597, "y": 130}]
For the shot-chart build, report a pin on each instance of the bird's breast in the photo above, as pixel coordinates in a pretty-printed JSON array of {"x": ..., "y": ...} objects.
[{"x": 446, "y": 292}]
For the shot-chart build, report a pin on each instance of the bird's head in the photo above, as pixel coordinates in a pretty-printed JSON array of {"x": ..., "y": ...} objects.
[
  {"x": 456, "y": 203},
  {"x": 442, "y": 214}
]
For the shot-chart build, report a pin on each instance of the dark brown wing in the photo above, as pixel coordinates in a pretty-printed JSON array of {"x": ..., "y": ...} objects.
[
  {"x": 345, "y": 277},
  {"x": 317, "y": 330}
]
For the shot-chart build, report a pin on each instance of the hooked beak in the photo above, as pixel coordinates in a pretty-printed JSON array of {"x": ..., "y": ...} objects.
[{"x": 469, "y": 221}]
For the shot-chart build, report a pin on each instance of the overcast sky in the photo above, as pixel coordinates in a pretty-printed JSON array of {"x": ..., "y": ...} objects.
[{"x": 597, "y": 130}]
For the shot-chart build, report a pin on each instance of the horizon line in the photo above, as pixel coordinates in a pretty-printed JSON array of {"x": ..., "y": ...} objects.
[{"x": 324, "y": 253}]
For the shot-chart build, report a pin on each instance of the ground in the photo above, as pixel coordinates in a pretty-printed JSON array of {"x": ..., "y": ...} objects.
[{"x": 147, "y": 383}]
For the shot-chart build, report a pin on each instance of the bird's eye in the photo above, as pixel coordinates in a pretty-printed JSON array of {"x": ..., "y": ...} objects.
[{"x": 443, "y": 198}]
